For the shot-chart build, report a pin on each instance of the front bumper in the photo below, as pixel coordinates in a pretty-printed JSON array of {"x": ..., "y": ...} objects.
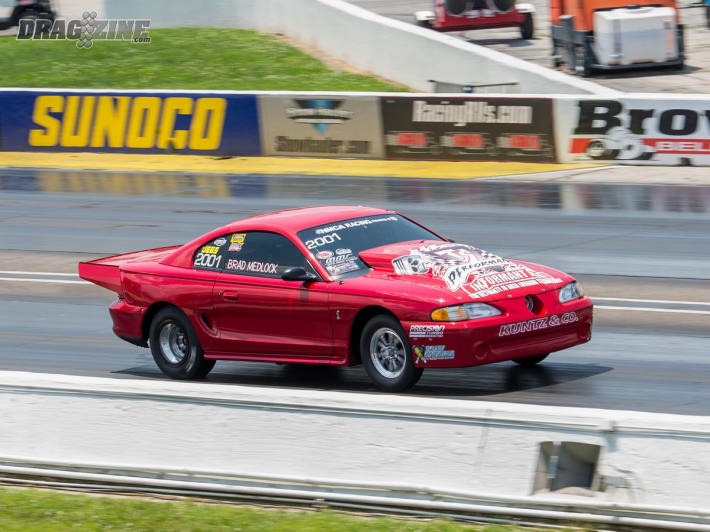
[{"x": 506, "y": 337}]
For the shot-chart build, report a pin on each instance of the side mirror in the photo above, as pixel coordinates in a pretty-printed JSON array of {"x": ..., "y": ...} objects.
[{"x": 298, "y": 274}]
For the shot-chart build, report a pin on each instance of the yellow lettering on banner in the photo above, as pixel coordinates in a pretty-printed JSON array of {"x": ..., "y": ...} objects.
[
  {"x": 76, "y": 124},
  {"x": 143, "y": 122},
  {"x": 110, "y": 121},
  {"x": 167, "y": 135},
  {"x": 49, "y": 134},
  {"x": 207, "y": 123}
]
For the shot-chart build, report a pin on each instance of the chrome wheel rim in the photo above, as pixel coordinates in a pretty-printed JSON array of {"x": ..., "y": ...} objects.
[
  {"x": 387, "y": 353},
  {"x": 174, "y": 344}
]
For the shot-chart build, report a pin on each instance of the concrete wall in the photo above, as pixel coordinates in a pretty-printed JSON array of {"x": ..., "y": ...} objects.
[
  {"x": 388, "y": 48},
  {"x": 470, "y": 446}
]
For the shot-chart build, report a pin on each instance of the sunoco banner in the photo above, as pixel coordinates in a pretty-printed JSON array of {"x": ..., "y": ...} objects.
[
  {"x": 468, "y": 128},
  {"x": 320, "y": 125},
  {"x": 129, "y": 122},
  {"x": 662, "y": 131}
]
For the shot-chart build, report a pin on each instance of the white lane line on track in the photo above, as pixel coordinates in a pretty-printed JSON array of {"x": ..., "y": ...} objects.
[
  {"x": 661, "y": 301},
  {"x": 599, "y": 307},
  {"x": 648, "y": 309},
  {"x": 57, "y": 281},
  {"x": 53, "y": 274}
]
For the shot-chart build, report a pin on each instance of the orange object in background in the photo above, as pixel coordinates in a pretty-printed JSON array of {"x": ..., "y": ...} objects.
[{"x": 591, "y": 35}]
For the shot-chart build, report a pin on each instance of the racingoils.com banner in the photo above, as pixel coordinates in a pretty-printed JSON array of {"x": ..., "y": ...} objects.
[{"x": 468, "y": 128}]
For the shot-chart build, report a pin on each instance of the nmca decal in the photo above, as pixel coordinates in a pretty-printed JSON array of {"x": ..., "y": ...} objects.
[{"x": 133, "y": 122}]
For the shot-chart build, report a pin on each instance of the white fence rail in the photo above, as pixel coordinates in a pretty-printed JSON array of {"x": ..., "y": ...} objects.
[{"x": 504, "y": 450}]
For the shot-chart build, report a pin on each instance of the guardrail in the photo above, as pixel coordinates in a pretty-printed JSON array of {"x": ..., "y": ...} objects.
[
  {"x": 633, "y": 129},
  {"x": 508, "y": 451},
  {"x": 404, "y": 500}
]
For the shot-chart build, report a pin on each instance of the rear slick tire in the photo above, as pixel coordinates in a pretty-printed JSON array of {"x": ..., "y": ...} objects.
[
  {"x": 387, "y": 355},
  {"x": 527, "y": 27},
  {"x": 175, "y": 347},
  {"x": 529, "y": 362}
]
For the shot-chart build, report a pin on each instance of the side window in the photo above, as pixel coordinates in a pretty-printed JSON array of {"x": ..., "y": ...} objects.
[
  {"x": 262, "y": 254},
  {"x": 210, "y": 256}
]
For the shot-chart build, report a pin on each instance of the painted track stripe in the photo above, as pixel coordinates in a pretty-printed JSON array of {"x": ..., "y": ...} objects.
[
  {"x": 29, "y": 279},
  {"x": 661, "y": 301},
  {"x": 12, "y": 272},
  {"x": 648, "y": 309}
]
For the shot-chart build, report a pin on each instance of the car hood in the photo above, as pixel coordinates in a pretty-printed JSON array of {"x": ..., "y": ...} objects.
[{"x": 462, "y": 270}]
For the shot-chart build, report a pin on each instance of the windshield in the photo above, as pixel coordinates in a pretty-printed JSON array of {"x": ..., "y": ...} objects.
[{"x": 336, "y": 245}]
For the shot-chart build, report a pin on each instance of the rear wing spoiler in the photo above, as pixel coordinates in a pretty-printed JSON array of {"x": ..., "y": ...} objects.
[{"x": 106, "y": 271}]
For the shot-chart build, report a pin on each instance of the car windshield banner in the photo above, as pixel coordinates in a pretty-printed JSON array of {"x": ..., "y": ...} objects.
[
  {"x": 320, "y": 125},
  {"x": 635, "y": 130},
  {"x": 468, "y": 128},
  {"x": 195, "y": 123}
]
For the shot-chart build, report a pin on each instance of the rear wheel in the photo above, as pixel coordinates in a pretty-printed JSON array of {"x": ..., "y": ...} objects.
[
  {"x": 387, "y": 356},
  {"x": 527, "y": 27},
  {"x": 529, "y": 362},
  {"x": 175, "y": 347}
]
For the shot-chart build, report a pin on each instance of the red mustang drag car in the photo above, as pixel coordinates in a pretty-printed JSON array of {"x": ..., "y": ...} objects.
[{"x": 338, "y": 285}]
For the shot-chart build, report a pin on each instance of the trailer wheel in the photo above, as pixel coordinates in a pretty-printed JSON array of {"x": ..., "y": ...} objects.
[
  {"x": 556, "y": 55},
  {"x": 583, "y": 63},
  {"x": 527, "y": 27}
]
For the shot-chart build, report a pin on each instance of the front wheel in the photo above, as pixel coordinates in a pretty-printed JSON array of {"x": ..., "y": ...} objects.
[
  {"x": 175, "y": 347},
  {"x": 529, "y": 362},
  {"x": 387, "y": 355}
]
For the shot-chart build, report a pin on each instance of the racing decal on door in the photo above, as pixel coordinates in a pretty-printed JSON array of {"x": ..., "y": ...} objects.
[{"x": 475, "y": 271}]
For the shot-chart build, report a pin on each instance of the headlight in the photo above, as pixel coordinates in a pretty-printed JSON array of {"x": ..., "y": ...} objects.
[
  {"x": 571, "y": 291},
  {"x": 467, "y": 311}
]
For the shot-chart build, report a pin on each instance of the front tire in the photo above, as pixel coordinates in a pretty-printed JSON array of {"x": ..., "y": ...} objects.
[
  {"x": 175, "y": 347},
  {"x": 387, "y": 356},
  {"x": 529, "y": 362}
]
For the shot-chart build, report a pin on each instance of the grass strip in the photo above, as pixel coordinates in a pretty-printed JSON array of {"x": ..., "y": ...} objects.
[
  {"x": 32, "y": 510},
  {"x": 193, "y": 58}
]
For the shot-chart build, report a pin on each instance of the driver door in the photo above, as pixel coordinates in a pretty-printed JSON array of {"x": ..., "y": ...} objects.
[{"x": 259, "y": 315}]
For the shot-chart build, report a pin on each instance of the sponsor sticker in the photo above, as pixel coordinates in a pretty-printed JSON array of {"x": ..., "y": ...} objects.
[
  {"x": 325, "y": 254},
  {"x": 253, "y": 266},
  {"x": 355, "y": 223},
  {"x": 425, "y": 353},
  {"x": 426, "y": 331},
  {"x": 238, "y": 237},
  {"x": 473, "y": 270},
  {"x": 220, "y": 242},
  {"x": 340, "y": 268},
  {"x": 210, "y": 250},
  {"x": 236, "y": 246},
  {"x": 537, "y": 324},
  {"x": 343, "y": 251}
]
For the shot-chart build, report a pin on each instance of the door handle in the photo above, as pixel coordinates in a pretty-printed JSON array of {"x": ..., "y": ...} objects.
[{"x": 230, "y": 296}]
